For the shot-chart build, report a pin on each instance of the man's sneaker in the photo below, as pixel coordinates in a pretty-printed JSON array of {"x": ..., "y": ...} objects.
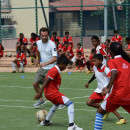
[
  {"x": 14, "y": 71},
  {"x": 46, "y": 123},
  {"x": 40, "y": 102},
  {"x": 106, "y": 115},
  {"x": 21, "y": 71},
  {"x": 121, "y": 121},
  {"x": 74, "y": 127},
  {"x": 88, "y": 72},
  {"x": 61, "y": 106}
]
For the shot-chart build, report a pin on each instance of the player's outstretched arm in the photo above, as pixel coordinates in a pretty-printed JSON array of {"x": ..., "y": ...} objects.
[
  {"x": 87, "y": 84},
  {"x": 46, "y": 81}
]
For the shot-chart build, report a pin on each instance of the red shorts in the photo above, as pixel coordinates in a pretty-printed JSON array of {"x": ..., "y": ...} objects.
[
  {"x": 18, "y": 63},
  {"x": 57, "y": 98},
  {"x": 97, "y": 97},
  {"x": 108, "y": 106}
]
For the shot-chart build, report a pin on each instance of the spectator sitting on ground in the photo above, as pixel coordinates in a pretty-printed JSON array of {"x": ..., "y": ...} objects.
[
  {"x": 34, "y": 38},
  {"x": 22, "y": 43},
  {"x": 58, "y": 46},
  {"x": 68, "y": 39},
  {"x": 79, "y": 49},
  {"x": 128, "y": 43},
  {"x": 20, "y": 60},
  {"x": 1, "y": 50},
  {"x": 67, "y": 50},
  {"x": 80, "y": 61},
  {"x": 33, "y": 53},
  {"x": 89, "y": 62},
  {"x": 117, "y": 37},
  {"x": 54, "y": 37}
]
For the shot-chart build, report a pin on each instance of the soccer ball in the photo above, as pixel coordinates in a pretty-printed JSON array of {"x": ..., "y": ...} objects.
[{"x": 41, "y": 115}]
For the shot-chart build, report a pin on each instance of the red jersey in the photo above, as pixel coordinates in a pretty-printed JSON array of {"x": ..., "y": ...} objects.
[
  {"x": 71, "y": 51},
  {"x": 34, "y": 49},
  {"x": 22, "y": 57},
  {"x": 91, "y": 57},
  {"x": 53, "y": 39},
  {"x": 128, "y": 46},
  {"x": 1, "y": 51},
  {"x": 80, "y": 50},
  {"x": 117, "y": 39},
  {"x": 24, "y": 41},
  {"x": 59, "y": 47},
  {"x": 121, "y": 88},
  {"x": 33, "y": 40},
  {"x": 69, "y": 39},
  {"x": 103, "y": 46},
  {"x": 53, "y": 86}
]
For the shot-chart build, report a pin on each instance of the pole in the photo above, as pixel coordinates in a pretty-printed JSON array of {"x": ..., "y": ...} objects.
[
  {"x": 36, "y": 17},
  {"x": 114, "y": 15},
  {"x": 44, "y": 13},
  {"x": 0, "y": 25},
  {"x": 81, "y": 22},
  {"x": 127, "y": 18},
  {"x": 105, "y": 18}
]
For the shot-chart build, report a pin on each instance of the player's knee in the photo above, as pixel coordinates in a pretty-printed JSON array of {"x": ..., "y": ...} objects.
[{"x": 69, "y": 103}]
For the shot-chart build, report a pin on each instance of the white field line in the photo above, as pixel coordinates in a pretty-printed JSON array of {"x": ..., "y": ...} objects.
[
  {"x": 27, "y": 87},
  {"x": 27, "y": 107},
  {"x": 49, "y": 101}
]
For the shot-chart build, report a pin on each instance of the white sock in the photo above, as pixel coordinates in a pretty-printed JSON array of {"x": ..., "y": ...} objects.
[
  {"x": 21, "y": 64},
  {"x": 71, "y": 112},
  {"x": 51, "y": 112},
  {"x": 13, "y": 64}
]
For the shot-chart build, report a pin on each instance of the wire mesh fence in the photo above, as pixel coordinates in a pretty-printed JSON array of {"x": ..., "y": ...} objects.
[{"x": 82, "y": 18}]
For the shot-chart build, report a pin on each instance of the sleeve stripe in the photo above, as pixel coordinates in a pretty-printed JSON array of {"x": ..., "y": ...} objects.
[{"x": 50, "y": 77}]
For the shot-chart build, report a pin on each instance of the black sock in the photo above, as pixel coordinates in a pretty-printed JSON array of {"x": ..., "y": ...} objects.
[{"x": 71, "y": 124}]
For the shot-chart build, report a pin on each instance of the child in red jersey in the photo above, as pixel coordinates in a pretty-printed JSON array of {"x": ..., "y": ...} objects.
[
  {"x": 99, "y": 50},
  {"x": 117, "y": 37},
  {"x": 67, "y": 50},
  {"x": 54, "y": 37},
  {"x": 80, "y": 61},
  {"x": 102, "y": 75},
  {"x": 79, "y": 49},
  {"x": 68, "y": 39},
  {"x": 128, "y": 43},
  {"x": 34, "y": 38},
  {"x": 120, "y": 92},
  {"x": 22, "y": 43},
  {"x": 19, "y": 61},
  {"x": 89, "y": 62},
  {"x": 51, "y": 87},
  {"x": 58, "y": 46},
  {"x": 33, "y": 53},
  {"x": 1, "y": 51}
]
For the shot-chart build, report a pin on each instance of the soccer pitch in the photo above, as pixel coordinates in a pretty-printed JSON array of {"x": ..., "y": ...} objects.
[{"x": 16, "y": 104}]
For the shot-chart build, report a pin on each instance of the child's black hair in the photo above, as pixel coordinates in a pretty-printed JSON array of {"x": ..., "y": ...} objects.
[
  {"x": 79, "y": 52},
  {"x": 56, "y": 40},
  {"x": 79, "y": 44},
  {"x": 108, "y": 40},
  {"x": 115, "y": 31},
  {"x": 96, "y": 38},
  {"x": 116, "y": 48},
  {"x": 54, "y": 33},
  {"x": 127, "y": 39},
  {"x": 67, "y": 33},
  {"x": 63, "y": 60},
  {"x": 93, "y": 50},
  {"x": 34, "y": 44},
  {"x": 21, "y": 34},
  {"x": 66, "y": 42},
  {"x": 98, "y": 56}
]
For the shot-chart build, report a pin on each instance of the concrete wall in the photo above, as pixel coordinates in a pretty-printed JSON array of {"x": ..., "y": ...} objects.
[{"x": 25, "y": 18}]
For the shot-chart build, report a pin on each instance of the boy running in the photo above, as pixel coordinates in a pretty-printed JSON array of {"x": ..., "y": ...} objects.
[{"x": 51, "y": 87}]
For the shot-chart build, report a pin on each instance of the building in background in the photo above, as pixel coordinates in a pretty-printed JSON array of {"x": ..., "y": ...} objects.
[{"x": 15, "y": 21}]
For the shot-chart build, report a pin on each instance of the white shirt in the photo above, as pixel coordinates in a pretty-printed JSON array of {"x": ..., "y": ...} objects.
[
  {"x": 102, "y": 76},
  {"x": 100, "y": 50},
  {"x": 47, "y": 51}
]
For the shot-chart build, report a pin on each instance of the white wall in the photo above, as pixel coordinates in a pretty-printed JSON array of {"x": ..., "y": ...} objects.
[{"x": 25, "y": 18}]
